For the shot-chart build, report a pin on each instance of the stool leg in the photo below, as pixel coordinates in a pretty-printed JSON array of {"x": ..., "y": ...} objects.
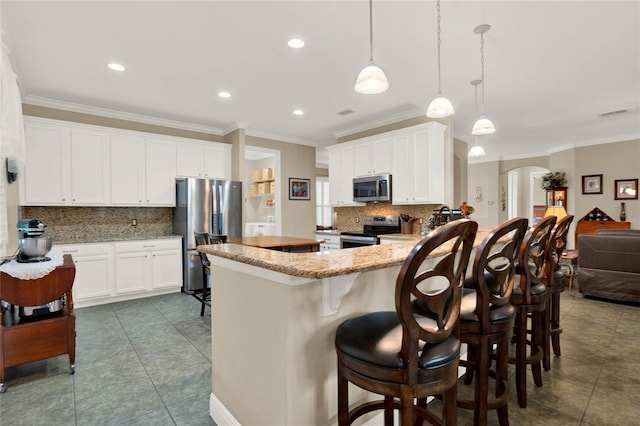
[
  {"x": 502, "y": 377},
  {"x": 537, "y": 345},
  {"x": 546, "y": 334},
  {"x": 555, "y": 323},
  {"x": 521, "y": 357},
  {"x": 449, "y": 410},
  {"x": 388, "y": 410},
  {"x": 343, "y": 397},
  {"x": 482, "y": 382}
]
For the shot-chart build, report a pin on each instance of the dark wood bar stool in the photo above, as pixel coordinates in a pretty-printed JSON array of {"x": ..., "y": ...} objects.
[
  {"x": 204, "y": 238},
  {"x": 487, "y": 319},
  {"x": 555, "y": 286},
  {"x": 404, "y": 354},
  {"x": 529, "y": 298}
]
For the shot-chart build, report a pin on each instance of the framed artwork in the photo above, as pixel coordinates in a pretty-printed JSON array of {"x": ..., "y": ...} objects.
[
  {"x": 299, "y": 189},
  {"x": 626, "y": 189},
  {"x": 592, "y": 184}
]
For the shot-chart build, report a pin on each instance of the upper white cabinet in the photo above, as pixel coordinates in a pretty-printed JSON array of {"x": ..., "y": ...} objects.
[
  {"x": 419, "y": 165},
  {"x": 160, "y": 172},
  {"x": 206, "y": 160},
  {"x": 372, "y": 157},
  {"x": 65, "y": 165},
  {"x": 341, "y": 173},
  {"x": 418, "y": 158}
]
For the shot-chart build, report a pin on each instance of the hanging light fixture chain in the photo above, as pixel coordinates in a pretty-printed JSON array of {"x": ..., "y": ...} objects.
[{"x": 438, "y": 36}]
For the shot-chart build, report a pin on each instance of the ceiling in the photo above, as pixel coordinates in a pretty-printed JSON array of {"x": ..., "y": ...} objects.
[{"x": 551, "y": 67}]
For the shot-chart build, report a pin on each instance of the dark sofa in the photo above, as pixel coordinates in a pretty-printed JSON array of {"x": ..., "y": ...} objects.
[{"x": 609, "y": 264}]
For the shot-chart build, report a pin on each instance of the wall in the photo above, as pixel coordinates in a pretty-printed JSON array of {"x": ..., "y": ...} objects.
[
  {"x": 256, "y": 208},
  {"x": 299, "y": 161},
  {"x": 484, "y": 193}
]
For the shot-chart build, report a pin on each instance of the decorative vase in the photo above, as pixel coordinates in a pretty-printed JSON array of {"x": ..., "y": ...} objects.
[{"x": 623, "y": 213}]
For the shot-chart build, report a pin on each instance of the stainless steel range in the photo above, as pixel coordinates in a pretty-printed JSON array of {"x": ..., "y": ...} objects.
[{"x": 373, "y": 226}]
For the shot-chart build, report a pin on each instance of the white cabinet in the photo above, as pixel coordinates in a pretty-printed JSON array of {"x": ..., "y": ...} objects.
[
  {"x": 65, "y": 165},
  {"x": 93, "y": 284},
  {"x": 372, "y": 157},
  {"x": 160, "y": 176},
  {"x": 331, "y": 241},
  {"x": 127, "y": 170},
  {"x": 341, "y": 175},
  {"x": 116, "y": 271},
  {"x": 207, "y": 160},
  {"x": 143, "y": 266},
  {"x": 419, "y": 168}
]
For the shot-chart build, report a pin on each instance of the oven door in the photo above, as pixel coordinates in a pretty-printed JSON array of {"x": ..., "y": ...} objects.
[{"x": 350, "y": 241}]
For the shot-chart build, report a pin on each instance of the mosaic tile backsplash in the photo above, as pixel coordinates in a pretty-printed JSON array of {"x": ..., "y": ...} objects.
[
  {"x": 346, "y": 216},
  {"x": 92, "y": 224}
]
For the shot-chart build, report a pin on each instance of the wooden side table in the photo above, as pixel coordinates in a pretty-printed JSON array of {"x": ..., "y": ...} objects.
[{"x": 571, "y": 258}]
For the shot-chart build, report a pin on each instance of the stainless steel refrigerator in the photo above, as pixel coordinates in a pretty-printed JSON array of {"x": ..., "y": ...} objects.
[{"x": 202, "y": 205}]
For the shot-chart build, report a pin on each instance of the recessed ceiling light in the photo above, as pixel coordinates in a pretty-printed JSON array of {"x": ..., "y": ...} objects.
[
  {"x": 296, "y": 42},
  {"x": 298, "y": 112},
  {"x": 116, "y": 67},
  {"x": 224, "y": 94}
]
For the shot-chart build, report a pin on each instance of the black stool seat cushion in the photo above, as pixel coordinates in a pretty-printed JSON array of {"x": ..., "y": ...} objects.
[
  {"x": 376, "y": 338},
  {"x": 536, "y": 290},
  {"x": 496, "y": 313}
]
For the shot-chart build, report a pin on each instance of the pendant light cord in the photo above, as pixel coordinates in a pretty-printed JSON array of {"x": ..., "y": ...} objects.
[
  {"x": 482, "y": 68},
  {"x": 438, "y": 36},
  {"x": 370, "y": 30}
]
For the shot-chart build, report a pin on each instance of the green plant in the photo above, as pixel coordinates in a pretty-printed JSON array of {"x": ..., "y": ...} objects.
[{"x": 553, "y": 180}]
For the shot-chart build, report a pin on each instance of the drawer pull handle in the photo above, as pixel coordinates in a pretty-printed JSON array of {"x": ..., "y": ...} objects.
[{"x": 69, "y": 251}]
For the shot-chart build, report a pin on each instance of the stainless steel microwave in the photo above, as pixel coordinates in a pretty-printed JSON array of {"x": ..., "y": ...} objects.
[{"x": 372, "y": 188}]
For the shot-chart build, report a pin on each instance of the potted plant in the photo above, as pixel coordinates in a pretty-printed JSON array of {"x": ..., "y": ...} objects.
[{"x": 553, "y": 180}]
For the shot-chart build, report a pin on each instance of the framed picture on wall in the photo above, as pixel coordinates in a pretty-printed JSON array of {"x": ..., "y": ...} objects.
[
  {"x": 299, "y": 189},
  {"x": 626, "y": 189},
  {"x": 592, "y": 184}
]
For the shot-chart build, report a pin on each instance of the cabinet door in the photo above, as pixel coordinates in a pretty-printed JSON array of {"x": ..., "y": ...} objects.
[
  {"x": 341, "y": 177},
  {"x": 131, "y": 272},
  {"x": 89, "y": 167},
  {"x": 216, "y": 162},
  {"x": 428, "y": 168},
  {"x": 401, "y": 171},
  {"x": 46, "y": 179},
  {"x": 127, "y": 170},
  {"x": 190, "y": 160},
  {"x": 362, "y": 159},
  {"x": 381, "y": 156},
  {"x": 160, "y": 173},
  {"x": 166, "y": 269}
]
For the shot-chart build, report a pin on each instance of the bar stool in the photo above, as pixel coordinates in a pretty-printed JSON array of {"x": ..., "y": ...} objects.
[
  {"x": 555, "y": 286},
  {"x": 487, "y": 319},
  {"x": 404, "y": 354},
  {"x": 204, "y": 238},
  {"x": 529, "y": 298}
]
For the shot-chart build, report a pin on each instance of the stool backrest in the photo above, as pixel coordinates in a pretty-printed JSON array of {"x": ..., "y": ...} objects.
[
  {"x": 557, "y": 244},
  {"x": 533, "y": 256},
  {"x": 204, "y": 239},
  {"x": 494, "y": 266},
  {"x": 435, "y": 284}
]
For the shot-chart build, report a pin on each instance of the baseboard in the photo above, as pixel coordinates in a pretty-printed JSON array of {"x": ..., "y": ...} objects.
[{"x": 220, "y": 414}]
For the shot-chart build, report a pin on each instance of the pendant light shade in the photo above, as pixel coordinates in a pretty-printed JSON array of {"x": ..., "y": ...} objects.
[
  {"x": 439, "y": 107},
  {"x": 371, "y": 79},
  {"x": 476, "y": 151},
  {"x": 483, "y": 126}
]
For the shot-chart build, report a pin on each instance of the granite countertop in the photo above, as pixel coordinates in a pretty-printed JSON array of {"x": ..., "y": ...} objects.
[
  {"x": 112, "y": 239},
  {"x": 328, "y": 232},
  {"x": 324, "y": 264}
]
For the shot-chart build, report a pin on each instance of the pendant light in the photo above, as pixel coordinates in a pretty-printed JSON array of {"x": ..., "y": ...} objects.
[
  {"x": 476, "y": 150},
  {"x": 483, "y": 126},
  {"x": 439, "y": 107},
  {"x": 371, "y": 79}
]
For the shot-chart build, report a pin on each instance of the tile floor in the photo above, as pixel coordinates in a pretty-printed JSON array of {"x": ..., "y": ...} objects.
[{"x": 148, "y": 362}]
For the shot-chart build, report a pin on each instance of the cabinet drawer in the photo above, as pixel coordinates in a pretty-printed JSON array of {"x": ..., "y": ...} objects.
[
  {"x": 138, "y": 246},
  {"x": 88, "y": 249}
]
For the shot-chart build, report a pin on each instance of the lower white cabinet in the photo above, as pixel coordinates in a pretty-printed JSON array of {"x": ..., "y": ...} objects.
[
  {"x": 331, "y": 241},
  {"x": 117, "y": 271}
]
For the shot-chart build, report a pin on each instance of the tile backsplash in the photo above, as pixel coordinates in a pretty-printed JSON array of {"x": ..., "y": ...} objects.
[
  {"x": 346, "y": 216},
  {"x": 87, "y": 224}
]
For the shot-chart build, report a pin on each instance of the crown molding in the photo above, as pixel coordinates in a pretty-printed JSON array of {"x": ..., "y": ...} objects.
[
  {"x": 387, "y": 119},
  {"x": 278, "y": 137},
  {"x": 103, "y": 112}
]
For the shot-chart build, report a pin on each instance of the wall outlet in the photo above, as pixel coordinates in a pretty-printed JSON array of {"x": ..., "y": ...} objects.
[
  {"x": 357, "y": 219},
  {"x": 134, "y": 222}
]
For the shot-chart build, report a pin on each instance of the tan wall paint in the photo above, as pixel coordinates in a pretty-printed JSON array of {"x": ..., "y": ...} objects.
[
  {"x": 299, "y": 161},
  {"x": 236, "y": 139},
  {"x": 76, "y": 117}
]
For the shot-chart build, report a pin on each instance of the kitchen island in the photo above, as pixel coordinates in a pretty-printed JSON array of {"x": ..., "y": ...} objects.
[{"x": 274, "y": 318}]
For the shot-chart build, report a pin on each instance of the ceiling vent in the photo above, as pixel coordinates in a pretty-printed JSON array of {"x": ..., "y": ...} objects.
[
  {"x": 346, "y": 112},
  {"x": 610, "y": 113}
]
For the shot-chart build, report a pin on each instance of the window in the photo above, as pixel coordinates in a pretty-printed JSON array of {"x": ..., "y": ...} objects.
[{"x": 324, "y": 212}]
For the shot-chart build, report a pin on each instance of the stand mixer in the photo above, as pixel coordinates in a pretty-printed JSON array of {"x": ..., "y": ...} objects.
[{"x": 32, "y": 245}]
